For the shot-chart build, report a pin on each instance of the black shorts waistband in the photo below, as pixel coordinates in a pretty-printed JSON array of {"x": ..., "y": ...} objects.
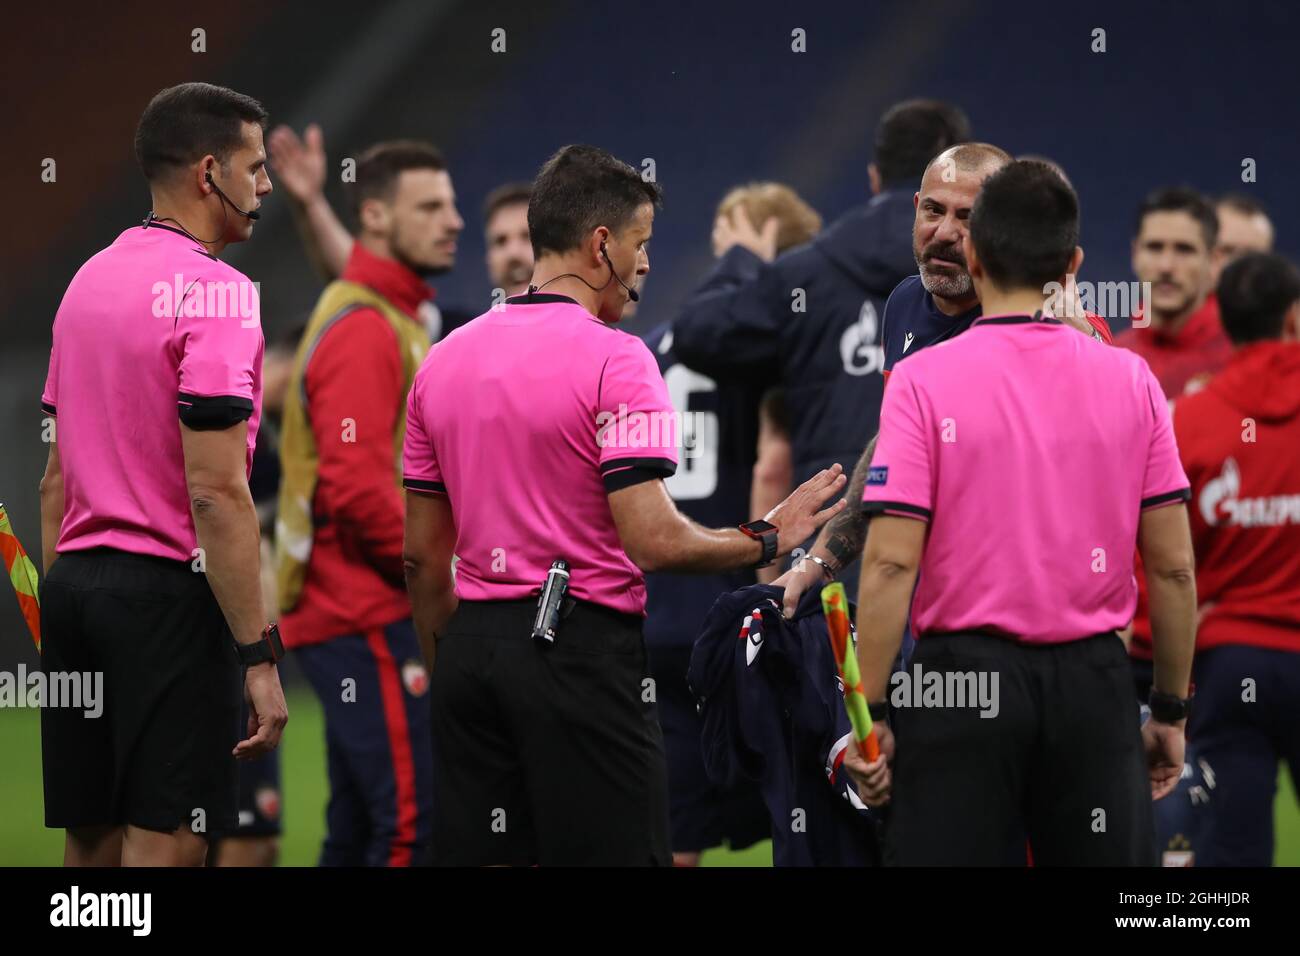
[
  {"x": 515, "y": 617},
  {"x": 1013, "y": 641},
  {"x": 110, "y": 568},
  {"x": 118, "y": 556}
]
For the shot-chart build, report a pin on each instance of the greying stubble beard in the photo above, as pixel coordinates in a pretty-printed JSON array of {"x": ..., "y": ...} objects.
[
  {"x": 946, "y": 286},
  {"x": 943, "y": 285}
]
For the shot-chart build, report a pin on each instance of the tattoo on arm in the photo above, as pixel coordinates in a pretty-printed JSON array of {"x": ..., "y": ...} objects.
[{"x": 846, "y": 533}]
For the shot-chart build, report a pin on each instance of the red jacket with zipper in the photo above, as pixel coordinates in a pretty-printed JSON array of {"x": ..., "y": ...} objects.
[
  {"x": 1239, "y": 440},
  {"x": 354, "y": 577}
]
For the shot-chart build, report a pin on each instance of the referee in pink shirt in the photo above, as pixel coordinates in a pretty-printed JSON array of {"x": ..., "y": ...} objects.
[
  {"x": 539, "y": 432},
  {"x": 148, "y": 528},
  {"x": 1020, "y": 500}
]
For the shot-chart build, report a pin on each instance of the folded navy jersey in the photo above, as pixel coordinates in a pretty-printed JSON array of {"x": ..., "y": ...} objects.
[{"x": 772, "y": 707}]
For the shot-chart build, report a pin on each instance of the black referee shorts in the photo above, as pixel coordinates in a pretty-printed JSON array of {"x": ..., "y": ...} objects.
[
  {"x": 546, "y": 755},
  {"x": 159, "y": 755},
  {"x": 1059, "y": 772}
]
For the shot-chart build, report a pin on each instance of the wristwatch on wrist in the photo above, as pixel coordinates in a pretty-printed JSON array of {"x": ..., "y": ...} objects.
[
  {"x": 270, "y": 649},
  {"x": 765, "y": 532},
  {"x": 879, "y": 711},
  {"x": 1167, "y": 708}
]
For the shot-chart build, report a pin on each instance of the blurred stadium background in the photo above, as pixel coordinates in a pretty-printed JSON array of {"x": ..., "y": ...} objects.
[{"x": 711, "y": 92}]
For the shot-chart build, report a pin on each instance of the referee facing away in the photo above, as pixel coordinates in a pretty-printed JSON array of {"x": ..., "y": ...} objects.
[
  {"x": 1021, "y": 498},
  {"x": 536, "y": 433},
  {"x": 148, "y": 529}
]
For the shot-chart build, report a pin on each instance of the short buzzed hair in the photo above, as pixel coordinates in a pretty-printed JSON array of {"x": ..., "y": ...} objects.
[
  {"x": 379, "y": 167},
  {"x": 579, "y": 189},
  {"x": 184, "y": 123},
  {"x": 1025, "y": 225},
  {"x": 974, "y": 157},
  {"x": 1255, "y": 292},
  {"x": 1047, "y": 161}
]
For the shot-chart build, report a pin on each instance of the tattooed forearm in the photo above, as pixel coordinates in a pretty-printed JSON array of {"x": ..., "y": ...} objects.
[{"x": 844, "y": 535}]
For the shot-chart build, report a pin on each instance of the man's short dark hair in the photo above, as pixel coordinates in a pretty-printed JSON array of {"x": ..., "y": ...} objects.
[
  {"x": 579, "y": 189},
  {"x": 1255, "y": 291},
  {"x": 912, "y": 133},
  {"x": 1182, "y": 199},
  {"x": 1025, "y": 225},
  {"x": 507, "y": 194},
  {"x": 184, "y": 123},
  {"x": 379, "y": 167}
]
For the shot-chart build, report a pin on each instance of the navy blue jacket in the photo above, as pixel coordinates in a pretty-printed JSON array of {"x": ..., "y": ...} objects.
[
  {"x": 711, "y": 486},
  {"x": 742, "y": 323},
  {"x": 772, "y": 707}
]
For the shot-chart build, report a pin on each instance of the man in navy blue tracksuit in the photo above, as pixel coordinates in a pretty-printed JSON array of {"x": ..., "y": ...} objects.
[{"x": 810, "y": 319}]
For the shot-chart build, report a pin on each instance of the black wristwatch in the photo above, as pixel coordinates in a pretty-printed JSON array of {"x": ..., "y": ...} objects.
[
  {"x": 765, "y": 532},
  {"x": 269, "y": 650},
  {"x": 879, "y": 711},
  {"x": 1167, "y": 708}
]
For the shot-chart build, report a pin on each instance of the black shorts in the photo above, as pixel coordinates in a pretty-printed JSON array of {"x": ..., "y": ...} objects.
[
  {"x": 1058, "y": 768},
  {"x": 546, "y": 754},
  {"x": 159, "y": 756}
]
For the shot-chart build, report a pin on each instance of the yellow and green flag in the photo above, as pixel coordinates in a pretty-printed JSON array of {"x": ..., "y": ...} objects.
[
  {"x": 835, "y": 605},
  {"x": 22, "y": 574}
]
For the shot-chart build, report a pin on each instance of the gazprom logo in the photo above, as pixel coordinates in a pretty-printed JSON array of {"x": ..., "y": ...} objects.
[
  {"x": 878, "y": 475},
  {"x": 860, "y": 348}
]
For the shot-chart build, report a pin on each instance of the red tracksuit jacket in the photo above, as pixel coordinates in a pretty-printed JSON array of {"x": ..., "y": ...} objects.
[
  {"x": 1245, "y": 507},
  {"x": 354, "y": 577}
]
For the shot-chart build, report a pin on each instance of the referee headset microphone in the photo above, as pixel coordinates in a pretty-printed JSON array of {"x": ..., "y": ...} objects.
[
  {"x": 254, "y": 214},
  {"x": 632, "y": 294}
]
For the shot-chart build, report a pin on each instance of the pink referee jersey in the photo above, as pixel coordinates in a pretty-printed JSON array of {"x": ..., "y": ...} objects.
[
  {"x": 1032, "y": 487},
  {"x": 152, "y": 331},
  {"x": 526, "y": 418}
]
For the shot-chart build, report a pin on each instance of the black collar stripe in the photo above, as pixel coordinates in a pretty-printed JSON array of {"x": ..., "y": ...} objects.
[
  {"x": 155, "y": 224},
  {"x": 539, "y": 298},
  {"x": 1018, "y": 320}
]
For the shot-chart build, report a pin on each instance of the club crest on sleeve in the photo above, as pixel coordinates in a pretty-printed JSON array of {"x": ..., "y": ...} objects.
[
  {"x": 415, "y": 677},
  {"x": 268, "y": 803}
]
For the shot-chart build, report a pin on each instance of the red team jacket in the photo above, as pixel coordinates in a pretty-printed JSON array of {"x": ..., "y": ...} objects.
[
  {"x": 1185, "y": 360},
  {"x": 1239, "y": 440},
  {"x": 355, "y": 577}
]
